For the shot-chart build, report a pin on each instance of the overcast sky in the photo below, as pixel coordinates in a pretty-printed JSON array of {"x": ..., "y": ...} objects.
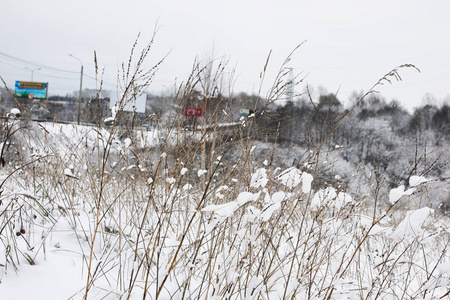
[{"x": 349, "y": 44}]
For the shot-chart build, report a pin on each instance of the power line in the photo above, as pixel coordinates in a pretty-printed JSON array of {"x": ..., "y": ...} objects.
[
  {"x": 44, "y": 67},
  {"x": 35, "y": 64},
  {"x": 10, "y": 57}
]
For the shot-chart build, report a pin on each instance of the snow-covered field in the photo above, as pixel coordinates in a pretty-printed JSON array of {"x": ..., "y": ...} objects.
[{"x": 87, "y": 215}]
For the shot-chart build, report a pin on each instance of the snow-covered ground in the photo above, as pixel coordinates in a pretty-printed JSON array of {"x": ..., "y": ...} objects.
[{"x": 87, "y": 214}]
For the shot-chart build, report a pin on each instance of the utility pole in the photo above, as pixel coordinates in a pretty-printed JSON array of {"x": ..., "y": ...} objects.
[
  {"x": 32, "y": 71},
  {"x": 81, "y": 87}
]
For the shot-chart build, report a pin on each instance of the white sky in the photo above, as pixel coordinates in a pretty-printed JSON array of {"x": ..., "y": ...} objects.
[{"x": 350, "y": 44}]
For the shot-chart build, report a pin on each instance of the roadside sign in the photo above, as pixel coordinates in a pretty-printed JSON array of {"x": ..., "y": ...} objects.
[
  {"x": 193, "y": 111},
  {"x": 245, "y": 112},
  {"x": 31, "y": 90}
]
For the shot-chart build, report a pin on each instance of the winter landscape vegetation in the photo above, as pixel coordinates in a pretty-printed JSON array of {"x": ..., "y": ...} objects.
[{"x": 295, "y": 197}]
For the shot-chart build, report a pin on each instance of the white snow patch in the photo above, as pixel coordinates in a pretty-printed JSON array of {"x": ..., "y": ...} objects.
[
  {"x": 109, "y": 120},
  {"x": 200, "y": 173},
  {"x": 127, "y": 142},
  {"x": 416, "y": 180},
  {"x": 306, "y": 182},
  {"x": 227, "y": 209},
  {"x": 259, "y": 178},
  {"x": 322, "y": 197},
  {"x": 290, "y": 177},
  {"x": 68, "y": 172},
  {"x": 273, "y": 204},
  {"x": 411, "y": 226},
  {"x": 397, "y": 193},
  {"x": 183, "y": 171},
  {"x": 187, "y": 187},
  {"x": 171, "y": 180},
  {"x": 15, "y": 111},
  {"x": 341, "y": 200}
]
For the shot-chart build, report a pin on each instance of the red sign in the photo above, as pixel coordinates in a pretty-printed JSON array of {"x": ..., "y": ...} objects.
[{"x": 193, "y": 111}]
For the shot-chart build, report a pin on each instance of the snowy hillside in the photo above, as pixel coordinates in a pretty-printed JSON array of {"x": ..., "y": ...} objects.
[{"x": 106, "y": 213}]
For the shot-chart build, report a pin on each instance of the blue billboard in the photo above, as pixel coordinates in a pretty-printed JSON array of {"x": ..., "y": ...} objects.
[{"x": 31, "y": 90}]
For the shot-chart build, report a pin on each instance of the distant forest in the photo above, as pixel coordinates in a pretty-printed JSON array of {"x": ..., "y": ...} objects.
[{"x": 376, "y": 134}]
